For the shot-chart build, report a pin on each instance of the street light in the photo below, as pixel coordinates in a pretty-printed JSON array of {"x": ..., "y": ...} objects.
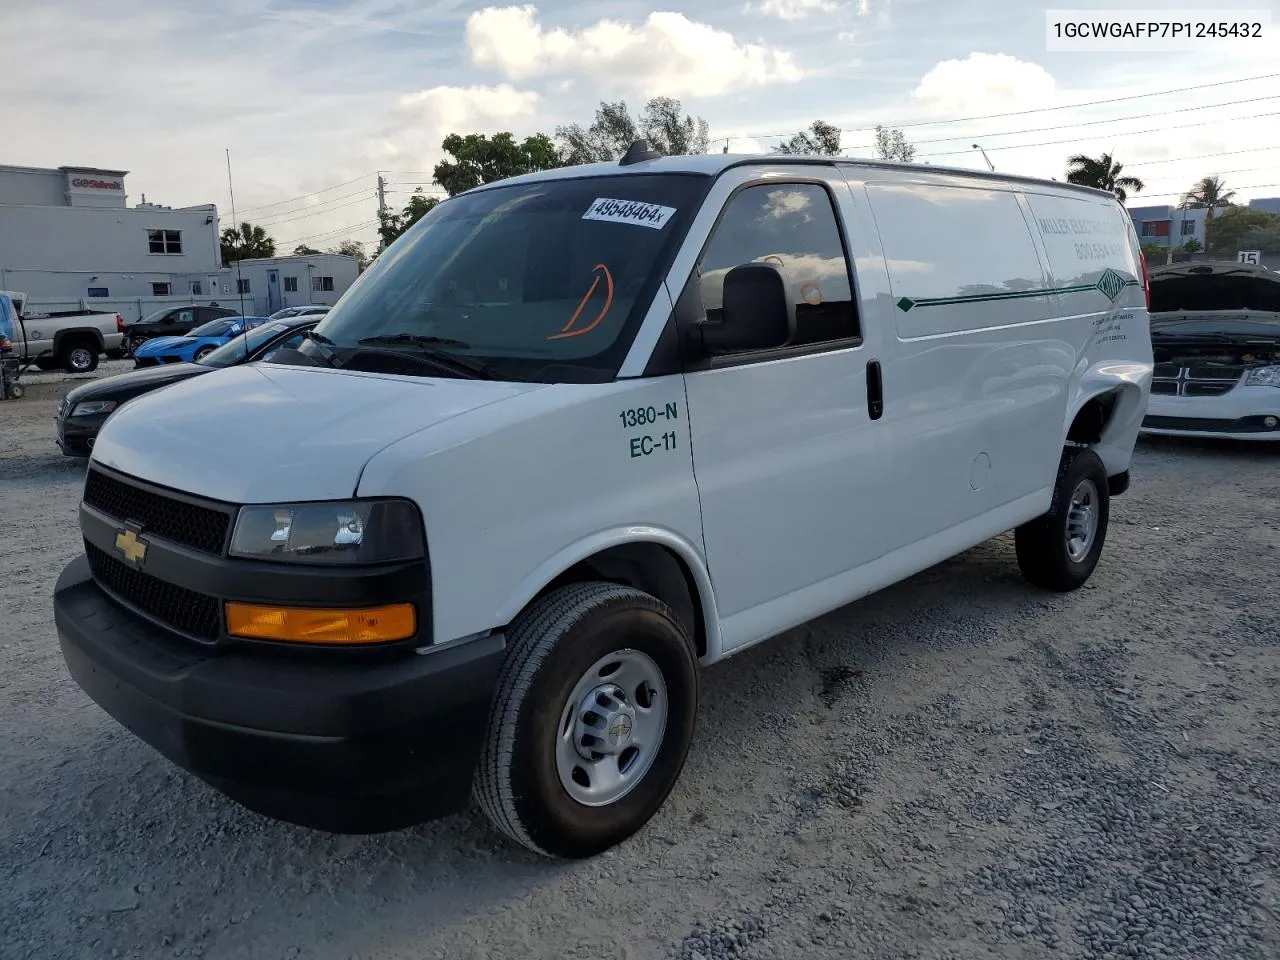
[{"x": 990, "y": 166}]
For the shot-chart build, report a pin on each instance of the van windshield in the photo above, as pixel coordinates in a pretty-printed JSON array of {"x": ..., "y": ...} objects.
[{"x": 545, "y": 281}]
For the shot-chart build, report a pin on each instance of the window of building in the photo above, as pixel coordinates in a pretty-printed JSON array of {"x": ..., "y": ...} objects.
[
  {"x": 197, "y": 288},
  {"x": 794, "y": 226},
  {"x": 322, "y": 284},
  {"x": 242, "y": 285},
  {"x": 1188, "y": 228},
  {"x": 165, "y": 241},
  {"x": 290, "y": 284},
  {"x": 98, "y": 292},
  {"x": 1155, "y": 228},
  {"x": 160, "y": 289}
]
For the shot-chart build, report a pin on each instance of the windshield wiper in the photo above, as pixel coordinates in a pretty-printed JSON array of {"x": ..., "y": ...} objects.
[
  {"x": 414, "y": 339},
  {"x": 323, "y": 344},
  {"x": 428, "y": 349}
]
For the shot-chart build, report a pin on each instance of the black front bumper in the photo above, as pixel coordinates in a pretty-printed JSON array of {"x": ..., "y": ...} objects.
[
  {"x": 76, "y": 434},
  {"x": 350, "y": 744}
]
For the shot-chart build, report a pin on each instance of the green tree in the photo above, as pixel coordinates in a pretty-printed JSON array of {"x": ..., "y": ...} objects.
[
  {"x": 391, "y": 225},
  {"x": 352, "y": 248},
  {"x": 892, "y": 145},
  {"x": 247, "y": 243},
  {"x": 302, "y": 250},
  {"x": 1264, "y": 240},
  {"x": 820, "y": 140},
  {"x": 1208, "y": 193},
  {"x": 663, "y": 123},
  {"x": 1103, "y": 173},
  {"x": 476, "y": 159},
  {"x": 1230, "y": 229},
  {"x": 1192, "y": 246}
]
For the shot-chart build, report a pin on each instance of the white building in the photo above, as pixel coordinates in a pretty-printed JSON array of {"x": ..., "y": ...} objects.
[
  {"x": 271, "y": 283},
  {"x": 69, "y": 234},
  {"x": 70, "y": 240}
]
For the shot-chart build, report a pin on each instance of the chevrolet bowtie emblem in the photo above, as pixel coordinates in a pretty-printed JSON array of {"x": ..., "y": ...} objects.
[{"x": 131, "y": 546}]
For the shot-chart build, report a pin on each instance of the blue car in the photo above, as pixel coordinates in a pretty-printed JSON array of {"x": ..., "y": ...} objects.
[{"x": 196, "y": 345}]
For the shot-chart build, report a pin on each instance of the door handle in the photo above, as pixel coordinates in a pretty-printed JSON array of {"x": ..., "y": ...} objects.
[{"x": 875, "y": 390}]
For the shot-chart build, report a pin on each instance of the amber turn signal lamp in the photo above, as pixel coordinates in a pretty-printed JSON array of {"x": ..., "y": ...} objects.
[{"x": 322, "y": 626}]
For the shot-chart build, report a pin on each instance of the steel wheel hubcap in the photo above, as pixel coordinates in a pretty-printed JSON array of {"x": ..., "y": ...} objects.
[
  {"x": 80, "y": 358},
  {"x": 611, "y": 728},
  {"x": 1082, "y": 520}
]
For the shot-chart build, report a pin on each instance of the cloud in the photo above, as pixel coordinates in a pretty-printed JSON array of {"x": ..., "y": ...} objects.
[
  {"x": 417, "y": 122},
  {"x": 985, "y": 83},
  {"x": 666, "y": 55},
  {"x": 794, "y": 9}
]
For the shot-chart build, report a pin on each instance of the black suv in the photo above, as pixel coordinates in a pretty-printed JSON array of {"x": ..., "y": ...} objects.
[{"x": 170, "y": 322}]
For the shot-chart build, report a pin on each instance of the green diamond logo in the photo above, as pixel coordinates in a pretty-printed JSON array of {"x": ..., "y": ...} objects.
[
  {"x": 1110, "y": 284},
  {"x": 905, "y": 304}
]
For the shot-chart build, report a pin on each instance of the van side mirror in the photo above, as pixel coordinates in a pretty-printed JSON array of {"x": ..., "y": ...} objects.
[{"x": 758, "y": 311}]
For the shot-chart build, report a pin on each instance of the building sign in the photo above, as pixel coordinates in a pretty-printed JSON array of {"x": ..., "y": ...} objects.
[
  {"x": 1248, "y": 256},
  {"x": 92, "y": 183}
]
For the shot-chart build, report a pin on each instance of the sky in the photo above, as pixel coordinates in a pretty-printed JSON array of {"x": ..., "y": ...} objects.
[{"x": 314, "y": 97}]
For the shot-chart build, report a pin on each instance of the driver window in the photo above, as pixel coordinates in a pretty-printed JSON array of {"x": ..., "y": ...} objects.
[
  {"x": 185, "y": 316},
  {"x": 793, "y": 226},
  {"x": 293, "y": 343}
]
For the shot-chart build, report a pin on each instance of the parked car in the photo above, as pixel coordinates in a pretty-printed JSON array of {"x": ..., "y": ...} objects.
[
  {"x": 478, "y": 534},
  {"x": 83, "y": 410},
  {"x": 1215, "y": 330},
  {"x": 73, "y": 339},
  {"x": 199, "y": 343},
  {"x": 170, "y": 322},
  {"x": 310, "y": 310}
]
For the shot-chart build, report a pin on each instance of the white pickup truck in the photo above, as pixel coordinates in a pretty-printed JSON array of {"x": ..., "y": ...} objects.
[{"x": 73, "y": 340}]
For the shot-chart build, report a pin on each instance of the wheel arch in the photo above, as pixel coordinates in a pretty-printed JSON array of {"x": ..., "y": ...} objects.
[
  {"x": 1099, "y": 406},
  {"x": 75, "y": 335},
  {"x": 655, "y": 560}
]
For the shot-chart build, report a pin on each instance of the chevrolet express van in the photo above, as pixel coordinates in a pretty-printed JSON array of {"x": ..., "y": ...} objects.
[{"x": 577, "y": 435}]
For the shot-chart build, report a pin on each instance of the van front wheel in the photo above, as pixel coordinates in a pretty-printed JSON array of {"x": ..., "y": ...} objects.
[
  {"x": 592, "y": 719},
  {"x": 1059, "y": 550}
]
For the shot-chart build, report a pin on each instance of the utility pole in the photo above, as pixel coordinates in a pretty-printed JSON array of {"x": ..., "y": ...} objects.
[{"x": 382, "y": 208}]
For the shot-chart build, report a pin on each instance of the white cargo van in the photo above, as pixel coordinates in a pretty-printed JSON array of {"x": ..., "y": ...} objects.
[{"x": 576, "y": 435}]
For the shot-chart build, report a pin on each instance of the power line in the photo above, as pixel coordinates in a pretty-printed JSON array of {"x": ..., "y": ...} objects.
[
  {"x": 329, "y": 234},
  {"x": 1127, "y": 133},
  {"x": 363, "y": 196},
  {"x": 1090, "y": 123},
  {"x": 1018, "y": 113},
  {"x": 313, "y": 194},
  {"x": 1203, "y": 156},
  {"x": 1247, "y": 186}
]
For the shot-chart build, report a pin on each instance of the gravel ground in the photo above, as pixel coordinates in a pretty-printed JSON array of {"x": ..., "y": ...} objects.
[{"x": 958, "y": 767}]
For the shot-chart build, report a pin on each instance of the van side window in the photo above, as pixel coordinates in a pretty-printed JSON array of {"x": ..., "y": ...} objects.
[{"x": 793, "y": 226}]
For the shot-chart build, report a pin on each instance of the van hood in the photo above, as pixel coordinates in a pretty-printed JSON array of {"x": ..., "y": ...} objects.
[{"x": 263, "y": 433}]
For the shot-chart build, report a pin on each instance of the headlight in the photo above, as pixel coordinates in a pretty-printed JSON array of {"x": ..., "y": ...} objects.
[
  {"x": 1263, "y": 377},
  {"x": 353, "y": 531},
  {"x": 90, "y": 407}
]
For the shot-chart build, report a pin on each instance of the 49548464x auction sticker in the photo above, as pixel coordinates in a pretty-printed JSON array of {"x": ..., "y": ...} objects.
[{"x": 650, "y": 215}]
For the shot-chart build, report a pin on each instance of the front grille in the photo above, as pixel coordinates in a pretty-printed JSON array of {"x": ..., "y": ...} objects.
[
  {"x": 200, "y": 528},
  {"x": 1172, "y": 380},
  {"x": 192, "y": 613}
]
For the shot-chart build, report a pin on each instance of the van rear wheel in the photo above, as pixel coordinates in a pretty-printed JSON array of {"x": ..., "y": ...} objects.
[
  {"x": 1059, "y": 550},
  {"x": 592, "y": 719}
]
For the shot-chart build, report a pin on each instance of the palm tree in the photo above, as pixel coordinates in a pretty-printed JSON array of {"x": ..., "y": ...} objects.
[
  {"x": 1103, "y": 173},
  {"x": 246, "y": 243},
  {"x": 1208, "y": 193}
]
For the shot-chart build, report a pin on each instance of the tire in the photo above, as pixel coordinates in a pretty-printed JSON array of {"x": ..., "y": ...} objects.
[
  {"x": 204, "y": 352},
  {"x": 15, "y": 390},
  {"x": 1052, "y": 553},
  {"x": 78, "y": 357},
  {"x": 131, "y": 347},
  {"x": 561, "y": 649}
]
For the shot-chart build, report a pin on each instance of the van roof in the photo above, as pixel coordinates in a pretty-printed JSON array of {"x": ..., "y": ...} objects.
[{"x": 713, "y": 164}]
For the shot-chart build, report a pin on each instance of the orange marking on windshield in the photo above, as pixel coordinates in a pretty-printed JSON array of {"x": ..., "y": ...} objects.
[{"x": 567, "y": 330}]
